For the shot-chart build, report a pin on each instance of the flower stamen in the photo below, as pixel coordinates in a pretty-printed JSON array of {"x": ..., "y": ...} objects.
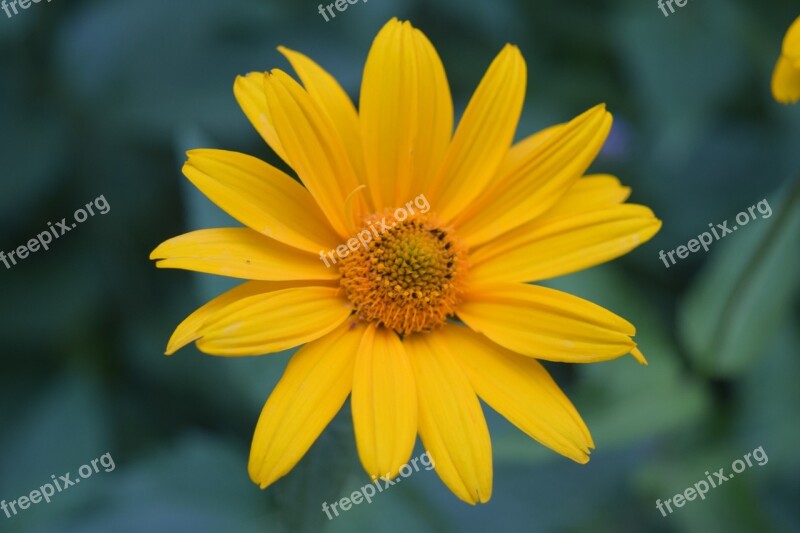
[{"x": 410, "y": 278}]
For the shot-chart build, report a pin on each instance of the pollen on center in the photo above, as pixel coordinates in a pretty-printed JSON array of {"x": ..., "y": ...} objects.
[{"x": 410, "y": 278}]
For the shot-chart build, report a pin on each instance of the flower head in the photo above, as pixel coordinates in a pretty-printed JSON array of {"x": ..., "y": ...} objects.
[
  {"x": 403, "y": 262},
  {"x": 786, "y": 76}
]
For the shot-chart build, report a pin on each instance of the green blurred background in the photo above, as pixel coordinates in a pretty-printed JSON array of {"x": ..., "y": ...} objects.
[{"x": 103, "y": 97}]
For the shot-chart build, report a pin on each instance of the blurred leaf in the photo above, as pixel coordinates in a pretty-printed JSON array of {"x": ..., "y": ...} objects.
[
  {"x": 731, "y": 506},
  {"x": 18, "y": 26},
  {"x": 497, "y": 18},
  {"x": 682, "y": 66},
  {"x": 33, "y": 156},
  {"x": 756, "y": 500},
  {"x": 47, "y": 301},
  {"x": 196, "y": 484},
  {"x": 624, "y": 404},
  {"x": 174, "y": 62},
  {"x": 770, "y": 383},
  {"x": 744, "y": 295},
  {"x": 725, "y": 159},
  {"x": 57, "y": 431}
]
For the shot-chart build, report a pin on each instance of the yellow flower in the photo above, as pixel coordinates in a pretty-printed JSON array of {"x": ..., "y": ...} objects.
[
  {"x": 434, "y": 309},
  {"x": 786, "y": 77}
]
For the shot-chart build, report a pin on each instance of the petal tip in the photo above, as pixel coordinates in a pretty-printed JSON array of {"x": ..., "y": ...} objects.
[
  {"x": 259, "y": 480},
  {"x": 639, "y": 356},
  {"x": 288, "y": 53},
  {"x": 179, "y": 340}
]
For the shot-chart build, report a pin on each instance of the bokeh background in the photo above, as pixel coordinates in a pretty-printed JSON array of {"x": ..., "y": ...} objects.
[{"x": 103, "y": 98}]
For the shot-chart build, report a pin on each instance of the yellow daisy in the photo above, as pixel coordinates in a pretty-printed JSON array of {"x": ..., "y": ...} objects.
[
  {"x": 433, "y": 310},
  {"x": 786, "y": 77}
]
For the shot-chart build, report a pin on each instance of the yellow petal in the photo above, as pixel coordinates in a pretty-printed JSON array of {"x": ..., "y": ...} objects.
[
  {"x": 639, "y": 356},
  {"x": 483, "y": 136},
  {"x": 549, "y": 247},
  {"x": 520, "y": 389},
  {"x": 546, "y": 324},
  {"x": 262, "y": 197},
  {"x": 333, "y": 100},
  {"x": 791, "y": 42},
  {"x": 786, "y": 81},
  {"x": 451, "y": 422},
  {"x": 529, "y": 183},
  {"x": 589, "y": 193},
  {"x": 239, "y": 253},
  {"x": 384, "y": 404},
  {"x": 189, "y": 330},
  {"x": 274, "y": 321},
  {"x": 311, "y": 391},
  {"x": 249, "y": 92},
  {"x": 406, "y": 114},
  {"x": 521, "y": 150},
  {"x": 314, "y": 148}
]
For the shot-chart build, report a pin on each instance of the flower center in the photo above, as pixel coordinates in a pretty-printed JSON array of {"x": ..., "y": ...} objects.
[{"x": 409, "y": 278}]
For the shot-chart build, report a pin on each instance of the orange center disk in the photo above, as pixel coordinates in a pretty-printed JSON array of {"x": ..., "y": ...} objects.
[{"x": 409, "y": 278}]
